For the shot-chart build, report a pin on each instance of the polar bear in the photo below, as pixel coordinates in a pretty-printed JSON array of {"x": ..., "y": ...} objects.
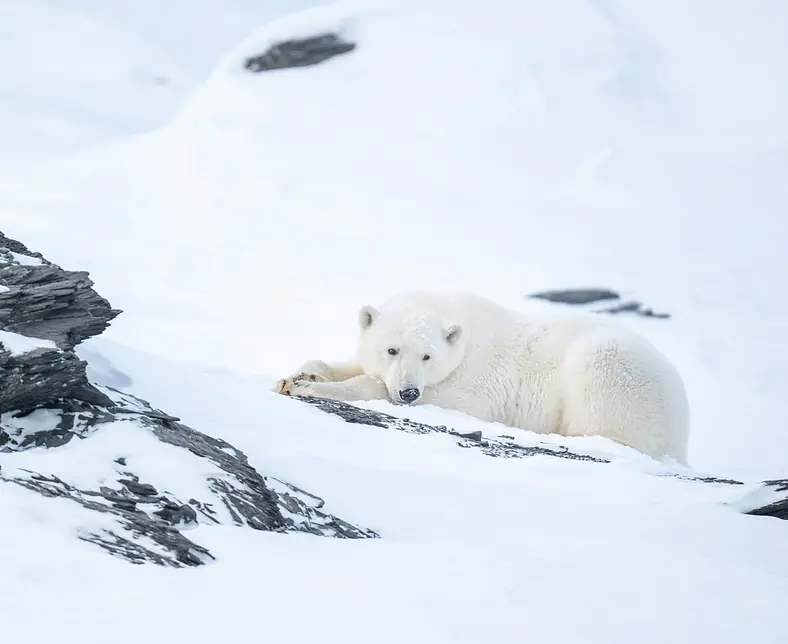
[{"x": 572, "y": 374}]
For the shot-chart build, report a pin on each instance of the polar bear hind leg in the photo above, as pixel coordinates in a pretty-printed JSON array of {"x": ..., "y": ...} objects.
[{"x": 628, "y": 392}]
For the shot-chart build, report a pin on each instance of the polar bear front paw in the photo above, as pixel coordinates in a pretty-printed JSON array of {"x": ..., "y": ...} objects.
[{"x": 298, "y": 385}]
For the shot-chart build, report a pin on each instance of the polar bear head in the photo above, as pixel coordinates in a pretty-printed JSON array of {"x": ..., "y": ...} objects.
[{"x": 408, "y": 349}]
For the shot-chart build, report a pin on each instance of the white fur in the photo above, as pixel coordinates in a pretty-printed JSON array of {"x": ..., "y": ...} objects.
[{"x": 568, "y": 374}]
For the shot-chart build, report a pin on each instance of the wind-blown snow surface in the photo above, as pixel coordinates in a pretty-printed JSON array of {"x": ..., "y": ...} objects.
[
  {"x": 17, "y": 344},
  {"x": 506, "y": 148},
  {"x": 74, "y": 73}
]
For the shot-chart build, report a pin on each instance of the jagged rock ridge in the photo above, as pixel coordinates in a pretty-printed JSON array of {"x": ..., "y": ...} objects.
[
  {"x": 45, "y": 301},
  {"x": 47, "y": 401}
]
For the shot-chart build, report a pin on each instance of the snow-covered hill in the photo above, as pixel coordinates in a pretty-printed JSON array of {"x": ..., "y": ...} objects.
[
  {"x": 505, "y": 148},
  {"x": 75, "y": 73}
]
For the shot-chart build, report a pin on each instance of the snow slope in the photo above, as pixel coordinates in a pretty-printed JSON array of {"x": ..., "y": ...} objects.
[
  {"x": 74, "y": 73},
  {"x": 507, "y": 148}
]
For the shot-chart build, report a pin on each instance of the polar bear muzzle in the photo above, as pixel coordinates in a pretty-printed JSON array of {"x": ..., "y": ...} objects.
[{"x": 409, "y": 396}]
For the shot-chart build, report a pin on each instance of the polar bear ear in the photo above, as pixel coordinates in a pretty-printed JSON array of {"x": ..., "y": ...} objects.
[
  {"x": 452, "y": 333},
  {"x": 366, "y": 316}
]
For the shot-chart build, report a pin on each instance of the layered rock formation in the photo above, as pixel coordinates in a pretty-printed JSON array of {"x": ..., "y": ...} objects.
[{"x": 47, "y": 401}]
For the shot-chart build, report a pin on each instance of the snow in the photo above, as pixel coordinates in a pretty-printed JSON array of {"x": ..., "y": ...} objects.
[
  {"x": 17, "y": 344},
  {"x": 241, "y": 220},
  {"x": 75, "y": 73},
  {"x": 25, "y": 260}
]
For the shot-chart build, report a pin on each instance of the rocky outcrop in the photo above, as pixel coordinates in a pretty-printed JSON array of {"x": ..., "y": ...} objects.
[
  {"x": 299, "y": 53},
  {"x": 45, "y": 312},
  {"x": 41, "y": 300},
  {"x": 43, "y": 377},
  {"x": 47, "y": 401},
  {"x": 769, "y": 499},
  {"x": 593, "y": 296}
]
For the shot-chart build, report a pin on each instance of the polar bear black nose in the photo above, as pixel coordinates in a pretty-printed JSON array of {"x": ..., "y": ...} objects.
[{"x": 409, "y": 395}]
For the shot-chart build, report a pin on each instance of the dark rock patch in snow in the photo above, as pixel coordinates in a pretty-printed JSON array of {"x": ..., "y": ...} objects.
[
  {"x": 42, "y": 300},
  {"x": 577, "y": 295},
  {"x": 47, "y": 401},
  {"x": 777, "y": 506},
  {"x": 472, "y": 440},
  {"x": 708, "y": 479},
  {"x": 140, "y": 517},
  {"x": 299, "y": 53},
  {"x": 43, "y": 377},
  {"x": 593, "y": 296}
]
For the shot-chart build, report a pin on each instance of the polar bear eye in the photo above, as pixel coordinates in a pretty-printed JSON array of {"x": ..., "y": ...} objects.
[
  {"x": 393, "y": 352},
  {"x": 425, "y": 357}
]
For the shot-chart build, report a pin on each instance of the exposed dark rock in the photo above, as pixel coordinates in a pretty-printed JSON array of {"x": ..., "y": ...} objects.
[
  {"x": 577, "y": 295},
  {"x": 44, "y": 301},
  {"x": 43, "y": 377},
  {"x": 779, "y": 506},
  {"x": 708, "y": 479},
  {"x": 165, "y": 545},
  {"x": 586, "y": 296},
  {"x": 47, "y": 400},
  {"x": 471, "y": 436},
  {"x": 635, "y": 307},
  {"x": 40, "y": 300},
  {"x": 17, "y": 247},
  {"x": 489, "y": 446},
  {"x": 299, "y": 53},
  {"x": 298, "y": 504}
]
